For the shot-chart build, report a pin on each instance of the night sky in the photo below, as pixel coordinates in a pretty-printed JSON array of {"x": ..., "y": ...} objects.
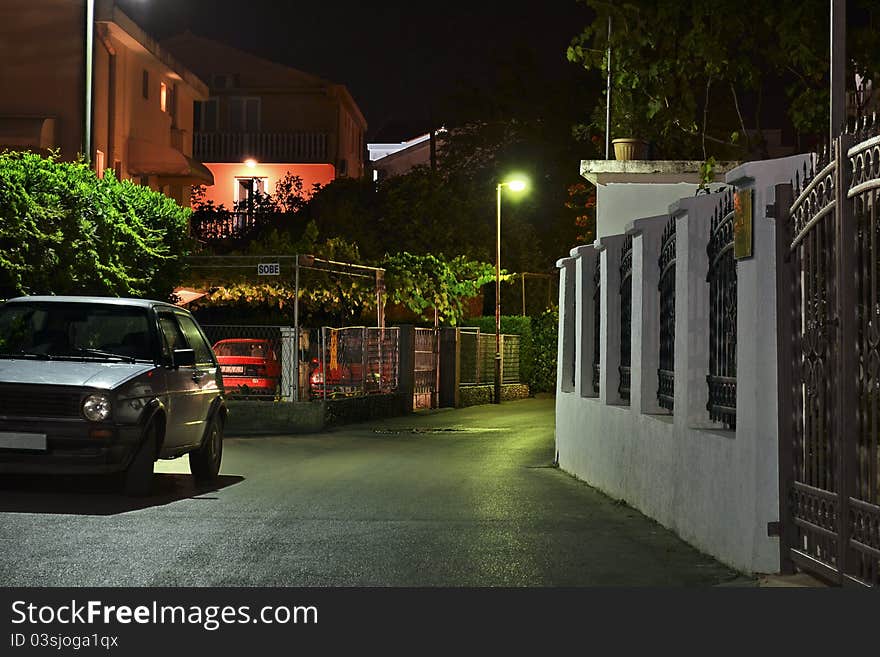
[{"x": 400, "y": 60}]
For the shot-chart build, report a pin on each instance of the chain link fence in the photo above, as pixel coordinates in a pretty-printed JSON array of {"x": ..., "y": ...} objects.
[{"x": 251, "y": 359}]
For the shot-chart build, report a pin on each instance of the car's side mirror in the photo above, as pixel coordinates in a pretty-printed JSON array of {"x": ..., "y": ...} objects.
[{"x": 184, "y": 358}]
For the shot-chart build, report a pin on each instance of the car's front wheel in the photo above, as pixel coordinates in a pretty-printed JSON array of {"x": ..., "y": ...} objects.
[
  {"x": 204, "y": 463},
  {"x": 138, "y": 478}
]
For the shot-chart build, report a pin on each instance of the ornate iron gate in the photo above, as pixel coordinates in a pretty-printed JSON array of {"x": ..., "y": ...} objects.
[{"x": 828, "y": 291}]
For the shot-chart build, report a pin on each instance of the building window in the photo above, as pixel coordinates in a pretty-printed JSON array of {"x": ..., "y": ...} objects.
[
  {"x": 163, "y": 96},
  {"x": 205, "y": 115},
  {"x": 99, "y": 163},
  {"x": 247, "y": 190},
  {"x": 145, "y": 181},
  {"x": 244, "y": 114},
  {"x": 145, "y": 84}
]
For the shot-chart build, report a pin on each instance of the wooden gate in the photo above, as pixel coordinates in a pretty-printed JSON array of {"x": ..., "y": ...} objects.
[{"x": 828, "y": 292}]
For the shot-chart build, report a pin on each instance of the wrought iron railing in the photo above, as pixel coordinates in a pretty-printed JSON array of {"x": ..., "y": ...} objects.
[
  {"x": 666, "y": 372},
  {"x": 597, "y": 309},
  {"x": 623, "y": 388},
  {"x": 223, "y": 225},
  {"x": 722, "y": 314},
  {"x": 262, "y": 146}
]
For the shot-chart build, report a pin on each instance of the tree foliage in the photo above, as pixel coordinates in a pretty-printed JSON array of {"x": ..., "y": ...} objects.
[
  {"x": 432, "y": 282},
  {"x": 693, "y": 76},
  {"x": 419, "y": 283},
  {"x": 66, "y": 231}
]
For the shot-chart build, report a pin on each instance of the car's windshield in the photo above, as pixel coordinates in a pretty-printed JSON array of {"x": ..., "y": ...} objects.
[
  {"x": 75, "y": 330},
  {"x": 243, "y": 349}
]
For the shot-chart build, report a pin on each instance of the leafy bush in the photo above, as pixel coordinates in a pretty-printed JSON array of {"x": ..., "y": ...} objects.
[
  {"x": 66, "y": 231},
  {"x": 545, "y": 329}
]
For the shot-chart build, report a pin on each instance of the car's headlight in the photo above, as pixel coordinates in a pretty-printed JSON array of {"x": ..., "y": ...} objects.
[{"x": 96, "y": 408}]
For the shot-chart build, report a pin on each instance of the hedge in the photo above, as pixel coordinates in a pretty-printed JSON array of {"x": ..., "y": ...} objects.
[{"x": 64, "y": 230}]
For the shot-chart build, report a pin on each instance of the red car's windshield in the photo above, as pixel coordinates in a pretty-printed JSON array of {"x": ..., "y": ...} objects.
[{"x": 243, "y": 349}]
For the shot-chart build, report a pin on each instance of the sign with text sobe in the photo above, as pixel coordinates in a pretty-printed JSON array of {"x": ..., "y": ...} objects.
[
  {"x": 742, "y": 224},
  {"x": 269, "y": 269}
]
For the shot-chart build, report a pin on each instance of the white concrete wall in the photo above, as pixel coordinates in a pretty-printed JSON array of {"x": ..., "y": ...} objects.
[
  {"x": 617, "y": 204},
  {"x": 718, "y": 489}
]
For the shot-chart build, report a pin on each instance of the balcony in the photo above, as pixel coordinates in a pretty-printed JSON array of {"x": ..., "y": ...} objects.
[{"x": 300, "y": 147}]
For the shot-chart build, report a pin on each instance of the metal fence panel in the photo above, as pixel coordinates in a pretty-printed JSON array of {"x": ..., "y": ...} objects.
[
  {"x": 477, "y": 357},
  {"x": 722, "y": 314},
  {"x": 666, "y": 371},
  {"x": 352, "y": 361}
]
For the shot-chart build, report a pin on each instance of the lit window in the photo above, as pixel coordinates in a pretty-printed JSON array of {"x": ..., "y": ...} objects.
[
  {"x": 163, "y": 96},
  {"x": 99, "y": 163}
]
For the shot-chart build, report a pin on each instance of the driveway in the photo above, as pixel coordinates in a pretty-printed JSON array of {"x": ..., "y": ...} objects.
[{"x": 446, "y": 498}]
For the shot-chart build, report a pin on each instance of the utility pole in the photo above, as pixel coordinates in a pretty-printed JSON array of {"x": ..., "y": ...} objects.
[
  {"x": 608, "y": 98},
  {"x": 838, "y": 67}
]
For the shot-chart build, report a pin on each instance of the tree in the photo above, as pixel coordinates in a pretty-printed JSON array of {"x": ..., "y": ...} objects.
[
  {"x": 66, "y": 231},
  {"x": 694, "y": 76},
  {"x": 423, "y": 283}
]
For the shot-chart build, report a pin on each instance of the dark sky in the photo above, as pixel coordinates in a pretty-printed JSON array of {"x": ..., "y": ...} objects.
[{"x": 400, "y": 60}]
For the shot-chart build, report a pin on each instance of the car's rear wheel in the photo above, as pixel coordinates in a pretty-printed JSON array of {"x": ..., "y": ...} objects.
[
  {"x": 138, "y": 478},
  {"x": 204, "y": 463}
]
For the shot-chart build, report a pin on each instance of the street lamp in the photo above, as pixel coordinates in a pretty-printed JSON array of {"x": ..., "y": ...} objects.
[
  {"x": 89, "y": 66},
  {"x": 516, "y": 185}
]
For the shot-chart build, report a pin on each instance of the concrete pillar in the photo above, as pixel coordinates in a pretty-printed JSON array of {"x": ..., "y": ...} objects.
[
  {"x": 289, "y": 364},
  {"x": 693, "y": 222},
  {"x": 565, "y": 372},
  {"x": 609, "y": 322},
  {"x": 584, "y": 328},
  {"x": 645, "y": 337},
  {"x": 450, "y": 368},
  {"x": 406, "y": 374}
]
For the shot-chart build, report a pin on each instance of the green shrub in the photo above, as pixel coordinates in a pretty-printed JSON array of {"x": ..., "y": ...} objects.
[
  {"x": 63, "y": 230},
  {"x": 545, "y": 329}
]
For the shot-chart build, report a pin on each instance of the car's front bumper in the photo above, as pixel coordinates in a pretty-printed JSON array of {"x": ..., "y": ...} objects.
[{"x": 72, "y": 447}]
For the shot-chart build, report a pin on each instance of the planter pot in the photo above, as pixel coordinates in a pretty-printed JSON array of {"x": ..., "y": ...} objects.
[{"x": 630, "y": 149}]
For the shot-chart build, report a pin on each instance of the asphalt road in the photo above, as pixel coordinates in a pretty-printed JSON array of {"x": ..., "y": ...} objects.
[{"x": 449, "y": 498}]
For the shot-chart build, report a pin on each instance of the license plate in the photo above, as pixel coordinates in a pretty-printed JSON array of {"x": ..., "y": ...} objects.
[
  {"x": 34, "y": 442},
  {"x": 232, "y": 369}
]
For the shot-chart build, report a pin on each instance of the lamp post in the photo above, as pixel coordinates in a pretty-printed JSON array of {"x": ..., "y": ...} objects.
[
  {"x": 89, "y": 65},
  {"x": 516, "y": 186}
]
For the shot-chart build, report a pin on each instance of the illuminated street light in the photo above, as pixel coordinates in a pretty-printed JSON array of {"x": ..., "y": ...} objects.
[
  {"x": 516, "y": 185},
  {"x": 250, "y": 163},
  {"x": 87, "y": 110}
]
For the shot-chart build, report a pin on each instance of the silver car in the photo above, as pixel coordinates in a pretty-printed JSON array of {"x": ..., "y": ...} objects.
[{"x": 103, "y": 385}]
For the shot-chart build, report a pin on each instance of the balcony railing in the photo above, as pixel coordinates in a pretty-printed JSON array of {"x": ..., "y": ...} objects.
[{"x": 261, "y": 146}]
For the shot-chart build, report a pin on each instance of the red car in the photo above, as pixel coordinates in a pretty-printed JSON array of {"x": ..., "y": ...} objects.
[{"x": 249, "y": 366}]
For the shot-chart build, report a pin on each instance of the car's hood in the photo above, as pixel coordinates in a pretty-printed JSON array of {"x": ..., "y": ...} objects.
[{"x": 70, "y": 372}]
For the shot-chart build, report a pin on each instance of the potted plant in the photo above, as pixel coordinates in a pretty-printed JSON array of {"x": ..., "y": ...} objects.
[{"x": 627, "y": 129}]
